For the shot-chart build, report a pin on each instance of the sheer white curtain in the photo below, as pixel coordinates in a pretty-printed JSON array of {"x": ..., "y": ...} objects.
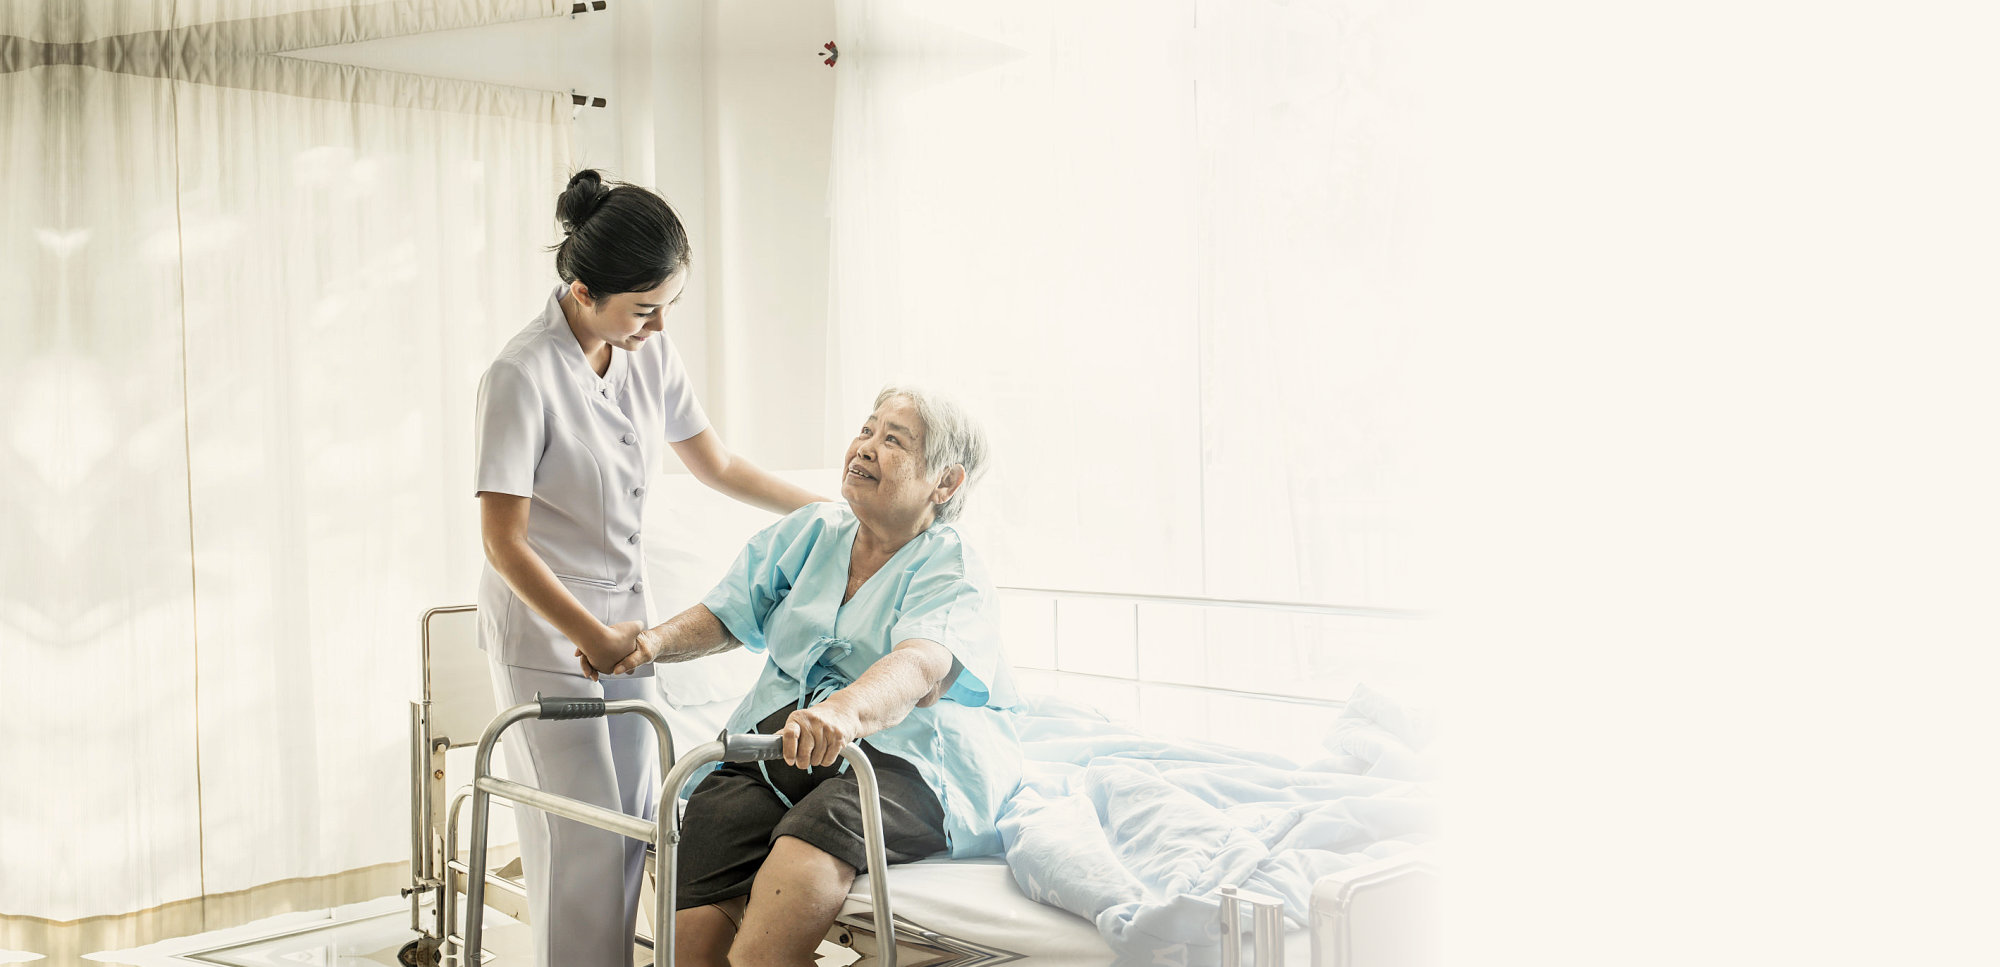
[
  {"x": 1157, "y": 244},
  {"x": 235, "y": 386},
  {"x": 274, "y": 24},
  {"x": 348, "y": 270},
  {"x": 99, "y": 798}
]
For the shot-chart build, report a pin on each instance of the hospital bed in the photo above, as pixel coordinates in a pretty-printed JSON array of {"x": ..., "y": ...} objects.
[{"x": 947, "y": 913}]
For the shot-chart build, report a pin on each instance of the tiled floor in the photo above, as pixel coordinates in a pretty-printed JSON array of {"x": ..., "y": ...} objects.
[{"x": 362, "y": 935}]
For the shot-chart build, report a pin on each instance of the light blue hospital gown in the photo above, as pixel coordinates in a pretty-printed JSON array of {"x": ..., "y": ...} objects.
[{"x": 782, "y": 598}]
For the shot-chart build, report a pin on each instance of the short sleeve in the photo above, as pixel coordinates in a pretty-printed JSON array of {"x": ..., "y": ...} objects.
[
  {"x": 510, "y": 431},
  {"x": 685, "y": 418},
  {"x": 951, "y": 601},
  {"x": 763, "y": 574}
]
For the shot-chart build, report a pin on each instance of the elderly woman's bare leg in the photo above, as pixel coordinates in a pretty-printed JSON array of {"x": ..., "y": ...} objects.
[
  {"x": 702, "y": 935},
  {"x": 793, "y": 902}
]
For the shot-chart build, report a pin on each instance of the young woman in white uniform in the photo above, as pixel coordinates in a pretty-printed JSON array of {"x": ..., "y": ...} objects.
[{"x": 569, "y": 415}]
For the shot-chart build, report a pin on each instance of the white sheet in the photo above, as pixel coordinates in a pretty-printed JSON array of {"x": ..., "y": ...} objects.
[
  {"x": 976, "y": 900},
  {"x": 977, "y": 903}
]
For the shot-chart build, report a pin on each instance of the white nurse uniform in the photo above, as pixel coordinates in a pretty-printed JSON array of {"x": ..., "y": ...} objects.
[{"x": 578, "y": 445}]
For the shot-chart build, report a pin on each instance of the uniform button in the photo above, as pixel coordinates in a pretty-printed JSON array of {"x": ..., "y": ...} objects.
[
  {"x": 638, "y": 586},
  {"x": 638, "y": 491},
  {"x": 634, "y": 539},
  {"x": 606, "y": 390},
  {"x": 628, "y": 439}
]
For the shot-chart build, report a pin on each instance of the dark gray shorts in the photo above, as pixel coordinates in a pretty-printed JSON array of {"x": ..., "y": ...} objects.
[{"x": 734, "y": 816}]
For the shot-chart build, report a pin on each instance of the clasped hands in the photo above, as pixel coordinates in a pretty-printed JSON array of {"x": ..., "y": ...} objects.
[
  {"x": 813, "y": 736},
  {"x": 621, "y": 649}
]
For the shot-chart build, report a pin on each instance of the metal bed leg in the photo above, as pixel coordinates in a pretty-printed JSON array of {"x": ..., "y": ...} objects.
[
  {"x": 419, "y": 857},
  {"x": 448, "y": 914},
  {"x": 423, "y": 873},
  {"x": 1268, "y": 928}
]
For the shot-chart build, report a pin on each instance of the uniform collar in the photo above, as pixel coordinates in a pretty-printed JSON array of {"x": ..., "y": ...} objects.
[{"x": 572, "y": 353}]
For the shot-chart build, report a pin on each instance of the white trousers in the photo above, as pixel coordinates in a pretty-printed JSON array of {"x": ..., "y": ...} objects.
[{"x": 583, "y": 882}]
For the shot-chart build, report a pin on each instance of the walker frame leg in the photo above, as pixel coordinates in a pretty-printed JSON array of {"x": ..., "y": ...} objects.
[
  {"x": 663, "y": 832},
  {"x": 485, "y": 786}
]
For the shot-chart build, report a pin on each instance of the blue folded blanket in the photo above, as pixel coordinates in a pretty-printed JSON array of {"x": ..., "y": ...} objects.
[{"x": 1137, "y": 833}]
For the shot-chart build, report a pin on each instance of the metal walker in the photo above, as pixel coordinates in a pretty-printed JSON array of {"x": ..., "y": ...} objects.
[{"x": 663, "y": 833}]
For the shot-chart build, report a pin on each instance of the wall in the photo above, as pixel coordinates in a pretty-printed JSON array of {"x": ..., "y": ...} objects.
[{"x": 769, "y": 136}]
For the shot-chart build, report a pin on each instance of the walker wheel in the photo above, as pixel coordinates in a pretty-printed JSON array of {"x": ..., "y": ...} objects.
[{"x": 421, "y": 952}]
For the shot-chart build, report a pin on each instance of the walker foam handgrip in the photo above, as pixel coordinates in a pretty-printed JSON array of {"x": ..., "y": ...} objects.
[
  {"x": 749, "y": 747},
  {"x": 570, "y": 708}
]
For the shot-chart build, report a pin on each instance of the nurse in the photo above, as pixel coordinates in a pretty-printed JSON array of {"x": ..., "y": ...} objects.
[
  {"x": 878, "y": 623},
  {"x": 569, "y": 417}
]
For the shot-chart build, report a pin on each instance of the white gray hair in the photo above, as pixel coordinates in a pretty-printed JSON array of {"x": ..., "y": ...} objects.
[{"x": 951, "y": 439}]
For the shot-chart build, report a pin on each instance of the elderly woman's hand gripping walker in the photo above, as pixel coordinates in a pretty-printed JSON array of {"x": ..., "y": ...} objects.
[{"x": 879, "y": 625}]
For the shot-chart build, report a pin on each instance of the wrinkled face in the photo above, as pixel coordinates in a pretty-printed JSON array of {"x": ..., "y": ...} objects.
[
  {"x": 885, "y": 464},
  {"x": 627, "y": 319}
]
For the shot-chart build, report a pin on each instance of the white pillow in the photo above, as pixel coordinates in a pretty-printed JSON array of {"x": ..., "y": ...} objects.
[
  {"x": 1390, "y": 738},
  {"x": 692, "y": 535}
]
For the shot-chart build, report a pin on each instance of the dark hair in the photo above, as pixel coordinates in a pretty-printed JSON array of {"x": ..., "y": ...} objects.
[{"x": 617, "y": 238}]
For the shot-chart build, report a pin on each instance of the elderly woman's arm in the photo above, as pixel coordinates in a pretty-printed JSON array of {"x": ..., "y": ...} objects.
[
  {"x": 694, "y": 633},
  {"x": 915, "y": 673}
]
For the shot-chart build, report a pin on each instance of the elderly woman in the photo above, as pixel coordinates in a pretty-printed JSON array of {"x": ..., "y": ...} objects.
[{"x": 879, "y": 624}]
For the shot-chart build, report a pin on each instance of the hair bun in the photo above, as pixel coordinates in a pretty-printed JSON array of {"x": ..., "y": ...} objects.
[
  {"x": 580, "y": 199},
  {"x": 617, "y": 237}
]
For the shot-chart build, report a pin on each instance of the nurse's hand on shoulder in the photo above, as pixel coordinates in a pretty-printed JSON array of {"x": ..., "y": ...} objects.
[{"x": 814, "y": 736}]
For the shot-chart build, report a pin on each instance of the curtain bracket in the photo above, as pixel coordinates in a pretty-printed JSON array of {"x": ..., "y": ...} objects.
[{"x": 580, "y": 101}]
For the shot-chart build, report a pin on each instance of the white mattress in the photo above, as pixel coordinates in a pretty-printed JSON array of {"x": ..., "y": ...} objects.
[
  {"x": 975, "y": 904},
  {"x": 979, "y": 916}
]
